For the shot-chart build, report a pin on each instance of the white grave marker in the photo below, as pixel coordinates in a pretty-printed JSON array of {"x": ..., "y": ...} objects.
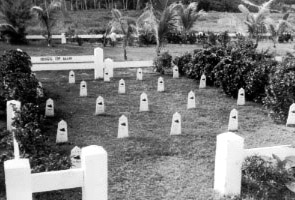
[
  {"x": 98, "y": 63},
  {"x": 233, "y": 120},
  {"x": 109, "y": 63},
  {"x": 202, "y": 82},
  {"x": 63, "y": 38},
  {"x": 191, "y": 100},
  {"x": 11, "y": 113},
  {"x": 175, "y": 72},
  {"x": 62, "y": 132},
  {"x": 72, "y": 77},
  {"x": 83, "y": 89},
  {"x": 100, "y": 109},
  {"x": 176, "y": 124},
  {"x": 122, "y": 87},
  {"x": 49, "y": 110},
  {"x": 161, "y": 86},
  {"x": 123, "y": 127},
  {"x": 76, "y": 157},
  {"x": 40, "y": 92},
  {"x": 139, "y": 74},
  {"x": 291, "y": 116},
  {"x": 144, "y": 104},
  {"x": 106, "y": 75},
  {"x": 241, "y": 97}
]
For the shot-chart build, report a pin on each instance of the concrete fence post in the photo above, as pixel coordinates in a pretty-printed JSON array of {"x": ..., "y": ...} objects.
[
  {"x": 63, "y": 38},
  {"x": 228, "y": 164},
  {"x": 98, "y": 63},
  {"x": 94, "y": 163},
  {"x": 11, "y": 113},
  {"x": 18, "y": 179}
]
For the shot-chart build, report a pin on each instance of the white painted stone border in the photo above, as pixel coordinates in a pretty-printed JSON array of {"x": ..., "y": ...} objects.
[{"x": 92, "y": 177}]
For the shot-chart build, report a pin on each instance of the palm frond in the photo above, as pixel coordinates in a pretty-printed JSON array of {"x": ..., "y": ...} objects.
[
  {"x": 193, "y": 6},
  {"x": 282, "y": 26},
  {"x": 37, "y": 10},
  {"x": 243, "y": 9},
  {"x": 7, "y": 28},
  {"x": 250, "y": 3},
  {"x": 267, "y": 4},
  {"x": 56, "y": 4},
  {"x": 285, "y": 17},
  {"x": 116, "y": 14}
]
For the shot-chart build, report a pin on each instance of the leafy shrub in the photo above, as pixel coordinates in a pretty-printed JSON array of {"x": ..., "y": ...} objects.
[
  {"x": 79, "y": 40},
  {"x": 244, "y": 66},
  {"x": 223, "y": 38},
  {"x": 212, "y": 38},
  {"x": 258, "y": 79},
  {"x": 174, "y": 37},
  {"x": 16, "y": 79},
  {"x": 280, "y": 93},
  {"x": 34, "y": 144},
  {"x": 266, "y": 179},
  {"x": 182, "y": 62},
  {"x": 163, "y": 62},
  {"x": 147, "y": 38},
  {"x": 191, "y": 38}
]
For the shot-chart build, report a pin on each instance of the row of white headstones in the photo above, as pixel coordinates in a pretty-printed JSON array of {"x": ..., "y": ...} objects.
[{"x": 62, "y": 130}]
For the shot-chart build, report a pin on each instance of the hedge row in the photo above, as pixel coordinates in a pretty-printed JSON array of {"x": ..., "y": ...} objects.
[
  {"x": 240, "y": 65},
  {"x": 17, "y": 82}
]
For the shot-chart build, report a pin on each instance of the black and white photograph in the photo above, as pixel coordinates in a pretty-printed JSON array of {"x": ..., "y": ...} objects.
[{"x": 147, "y": 100}]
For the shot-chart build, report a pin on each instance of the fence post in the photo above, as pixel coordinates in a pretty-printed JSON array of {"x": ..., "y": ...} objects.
[
  {"x": 228, "y": 164},
  {"x": 98, "y": 63},
  {"x": 18, "y": 179},
  {"x": 11, "y": 113},
  {"x": 94, "y": 163},
  {"x": 63, "y": 38}
]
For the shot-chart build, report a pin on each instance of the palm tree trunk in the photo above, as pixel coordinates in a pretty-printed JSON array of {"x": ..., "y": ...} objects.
[
  {"x": 138, "y": 5},
  {"x": 125, "y": 47},
  {"x": 85, "y": 3}
]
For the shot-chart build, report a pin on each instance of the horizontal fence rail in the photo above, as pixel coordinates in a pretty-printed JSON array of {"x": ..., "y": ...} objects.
[
  {"x": 92, "y": 177},
  {"x": 57, "y": 180},
  {"x": 95, "y": 61}
]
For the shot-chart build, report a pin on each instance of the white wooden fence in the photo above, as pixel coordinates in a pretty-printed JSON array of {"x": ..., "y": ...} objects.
[
  {"x": 230, "y": 154},
  {"x": 96, "y": 62},
  {"x": 92, "y": 177}
]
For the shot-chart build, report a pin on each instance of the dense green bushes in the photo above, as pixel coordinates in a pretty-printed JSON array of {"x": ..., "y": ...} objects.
[
  {"x": 280, "y": 93},
  {"x": 19, "y": 83},
  {"x": 240, "y": 65},
  {"x": 163, "y": 62},
  {"x": 266, "y": 179}
]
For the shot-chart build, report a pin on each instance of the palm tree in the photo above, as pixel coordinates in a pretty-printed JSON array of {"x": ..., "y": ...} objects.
[
  {"x": 123, "y": 25},
  {"x": 279, "y": 28},
  {"x": 16, "y": 14},
  {"x": 256, "y": 22},
  {"x": 47, "y": 14},
  {"x": 188, "y": 17},
  {"x": 159, "y": 26}
]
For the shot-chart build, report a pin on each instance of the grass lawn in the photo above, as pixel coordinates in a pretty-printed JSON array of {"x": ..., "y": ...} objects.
[
  {"x": 151, "y": 164},
  {"x": 133, "y": 52},
  {"x": 116, "y": 53}
]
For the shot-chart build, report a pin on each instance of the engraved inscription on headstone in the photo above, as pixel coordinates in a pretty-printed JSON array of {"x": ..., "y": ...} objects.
[
  {"x": 144, "y": 105},
  {"x": 62, "y": 132},
  {"x": 49, "y": 110},
  {"x": 123, "y": 127},
  {"x": 176, "y": 124}
]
